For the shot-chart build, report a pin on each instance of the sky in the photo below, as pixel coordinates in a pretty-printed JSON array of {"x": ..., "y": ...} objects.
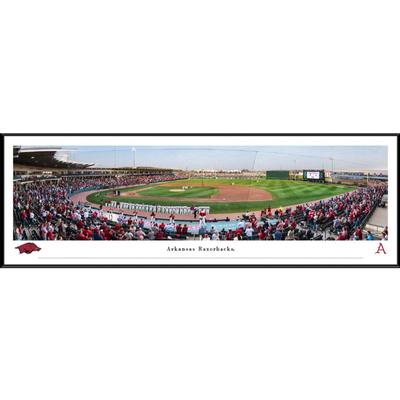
[{"x": 233, "y": 157}]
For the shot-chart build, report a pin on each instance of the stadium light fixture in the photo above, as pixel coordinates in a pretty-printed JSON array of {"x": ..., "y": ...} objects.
[
  {"x": 332, "y": 160},
  {"x": 134, "y": 157}
]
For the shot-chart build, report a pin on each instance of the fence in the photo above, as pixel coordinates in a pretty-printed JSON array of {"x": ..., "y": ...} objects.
[{"x": 179, "y": 210}]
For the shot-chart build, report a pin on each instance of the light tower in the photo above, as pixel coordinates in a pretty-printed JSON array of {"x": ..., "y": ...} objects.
[
  {"x": 332, "y": 170},
  {"x": 134, "y": 157}
]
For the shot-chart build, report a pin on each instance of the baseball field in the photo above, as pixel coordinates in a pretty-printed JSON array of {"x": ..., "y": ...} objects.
[{"x": 223, "y": 195}]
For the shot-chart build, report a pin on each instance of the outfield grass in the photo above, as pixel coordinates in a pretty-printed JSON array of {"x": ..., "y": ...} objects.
[{"x": 284, "y": 193}]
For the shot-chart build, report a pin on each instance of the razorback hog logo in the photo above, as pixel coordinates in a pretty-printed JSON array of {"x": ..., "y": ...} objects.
[{"x": 28, "y": 248}]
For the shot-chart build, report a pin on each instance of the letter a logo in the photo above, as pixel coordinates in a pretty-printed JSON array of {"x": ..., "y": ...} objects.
[{"x": 380, "y": 248}]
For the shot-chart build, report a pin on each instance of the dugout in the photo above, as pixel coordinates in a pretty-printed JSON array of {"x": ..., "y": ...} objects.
[{"x": 277, "y": 174}]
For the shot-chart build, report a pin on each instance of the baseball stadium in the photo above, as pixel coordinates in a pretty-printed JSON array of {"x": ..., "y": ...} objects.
[{"x": 58, "y": 198}]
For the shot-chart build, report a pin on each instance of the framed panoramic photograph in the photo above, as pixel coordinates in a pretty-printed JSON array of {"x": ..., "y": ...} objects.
[{"x": 200, "y": 200}]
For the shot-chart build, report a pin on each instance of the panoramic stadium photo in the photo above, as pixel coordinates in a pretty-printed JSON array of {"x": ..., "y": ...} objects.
[{"x": 200, "y": 193}]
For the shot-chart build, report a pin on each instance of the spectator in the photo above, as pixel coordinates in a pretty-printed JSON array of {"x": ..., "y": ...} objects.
[
  {"x": 369, "y": 236},
  {"x": 278, "y": 235},
  {"x": 290, "y": 235},
  {"x": 249, "y": 232}
]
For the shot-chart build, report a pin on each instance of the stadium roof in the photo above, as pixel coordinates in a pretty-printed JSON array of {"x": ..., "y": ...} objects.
[{"x": 44, "y": 158}]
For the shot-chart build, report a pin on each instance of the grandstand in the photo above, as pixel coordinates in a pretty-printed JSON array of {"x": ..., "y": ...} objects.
[
  {"x": 214, "y": 173},
  {"x": 29, "y": 158}
]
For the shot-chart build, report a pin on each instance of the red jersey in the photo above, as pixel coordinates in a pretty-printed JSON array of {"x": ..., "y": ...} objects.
[{"x": 81, "y": 236}]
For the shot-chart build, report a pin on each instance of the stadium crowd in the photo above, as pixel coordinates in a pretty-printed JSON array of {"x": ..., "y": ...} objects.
[
  {"x": 43, "y": 210},
  {"x": 47, "y": 204}
]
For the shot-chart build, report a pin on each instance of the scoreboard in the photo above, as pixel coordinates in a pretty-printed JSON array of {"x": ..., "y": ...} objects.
[{"x": 313, "y": 175}]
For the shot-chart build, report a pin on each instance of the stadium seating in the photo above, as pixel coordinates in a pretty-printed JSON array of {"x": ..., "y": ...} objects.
[{"x": 56, "y": 217}]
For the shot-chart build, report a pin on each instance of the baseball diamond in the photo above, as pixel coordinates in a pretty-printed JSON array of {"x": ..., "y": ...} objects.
[{"x": 223, "y": 195}]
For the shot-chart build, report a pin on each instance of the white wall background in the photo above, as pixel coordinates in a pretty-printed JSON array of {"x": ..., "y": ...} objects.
[
  {"x": 213, "y": 66},
  {"x": 199, "y": 334},
  {"x": 184, "y": 66}
]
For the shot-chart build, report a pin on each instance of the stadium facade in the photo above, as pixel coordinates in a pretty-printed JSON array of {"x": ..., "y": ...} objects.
[{"x": 46, "y": 163}]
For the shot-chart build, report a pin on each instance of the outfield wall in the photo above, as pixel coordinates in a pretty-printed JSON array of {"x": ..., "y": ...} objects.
[{"x": 277, "y": 174}]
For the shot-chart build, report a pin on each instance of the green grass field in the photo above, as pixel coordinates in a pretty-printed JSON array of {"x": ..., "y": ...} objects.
[
  {"x": 284, "y": 193},
  {"x": 201, "y": 192}
]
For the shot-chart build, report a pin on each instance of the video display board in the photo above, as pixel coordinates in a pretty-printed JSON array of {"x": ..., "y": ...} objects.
[{"x": 313, "y": 175}]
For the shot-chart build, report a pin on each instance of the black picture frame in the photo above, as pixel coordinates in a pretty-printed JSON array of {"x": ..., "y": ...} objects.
[{"x": 3, "y": 265}]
